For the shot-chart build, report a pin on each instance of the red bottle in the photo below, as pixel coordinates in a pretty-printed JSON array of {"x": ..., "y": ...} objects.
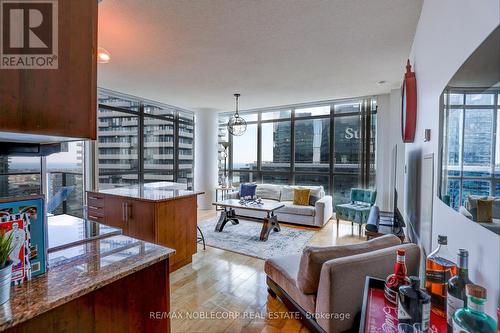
[{"x": 397, "y": 279}]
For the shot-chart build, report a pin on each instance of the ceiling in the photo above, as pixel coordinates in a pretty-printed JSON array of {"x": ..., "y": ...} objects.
[
  {"x": 196, "y": 53},
  {"x": 482, "y": 68}
]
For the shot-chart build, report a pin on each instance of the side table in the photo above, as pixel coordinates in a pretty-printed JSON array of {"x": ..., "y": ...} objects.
[{"x": 221, "y": 193}]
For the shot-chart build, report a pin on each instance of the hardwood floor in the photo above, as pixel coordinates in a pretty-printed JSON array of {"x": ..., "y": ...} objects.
[{"x": 222, "y": 291}]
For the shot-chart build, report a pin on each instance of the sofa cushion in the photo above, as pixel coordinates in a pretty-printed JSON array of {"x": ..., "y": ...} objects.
[
  {"x": 248, "y": 190},
  {"x": 471, "y": 205},
  {"x": 485, "y": 211},
  {"x": 313, "y": 199},
  {"x": 317, "y": 191},
  {"x": 283, "y": 271},
  {"x": 301, "y": 196},
  {"x": 290, "y": 208},
  {"x": 313, "y": 258},
  {"x": 269, "y": 191},
  {"x": 363, "y": 195},
  {"x": 287, "y": 193}
]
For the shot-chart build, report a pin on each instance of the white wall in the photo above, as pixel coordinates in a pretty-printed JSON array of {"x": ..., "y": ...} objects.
[
  {"x": 388, "y": 136},
  {"x": 447, "y": 33},
  {"x": 205, "y": 156}
]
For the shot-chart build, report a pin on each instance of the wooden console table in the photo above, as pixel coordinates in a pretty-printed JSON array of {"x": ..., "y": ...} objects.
[{"x": 163, "y": 216}]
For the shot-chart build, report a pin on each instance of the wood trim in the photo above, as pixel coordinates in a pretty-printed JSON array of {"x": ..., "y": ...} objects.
[{"x": 275, "y": 290}]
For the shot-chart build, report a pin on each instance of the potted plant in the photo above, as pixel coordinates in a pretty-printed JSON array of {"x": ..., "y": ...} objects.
[{"x": 5, "y": 266}]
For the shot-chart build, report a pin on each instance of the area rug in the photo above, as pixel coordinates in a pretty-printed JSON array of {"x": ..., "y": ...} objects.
[{"x": 244, "y": 238}]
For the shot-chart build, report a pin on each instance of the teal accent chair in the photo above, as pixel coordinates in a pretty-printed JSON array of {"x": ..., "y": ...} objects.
[{"x": 358, "y": 209}]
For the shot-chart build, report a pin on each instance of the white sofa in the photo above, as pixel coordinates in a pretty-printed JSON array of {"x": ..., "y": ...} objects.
[
  {"x": 470, "y": 211},
  {"x": 315, "y": 216}
]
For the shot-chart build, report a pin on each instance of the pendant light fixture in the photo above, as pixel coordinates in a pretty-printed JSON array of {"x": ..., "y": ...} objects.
[{"x": 236, "y": 125}]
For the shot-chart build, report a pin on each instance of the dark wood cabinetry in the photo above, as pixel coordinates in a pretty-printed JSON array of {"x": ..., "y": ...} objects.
[
  {"x": 123, "y": 306},
  {"x": 170, "y": 223},
  {"x": 62, "y": 101}
]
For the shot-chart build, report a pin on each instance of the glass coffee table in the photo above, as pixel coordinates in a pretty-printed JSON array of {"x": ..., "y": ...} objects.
[{"x": 228, "y": 214}]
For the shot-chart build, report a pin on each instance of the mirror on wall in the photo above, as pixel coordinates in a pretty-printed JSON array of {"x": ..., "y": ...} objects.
[{"x": 470, "y": 137}]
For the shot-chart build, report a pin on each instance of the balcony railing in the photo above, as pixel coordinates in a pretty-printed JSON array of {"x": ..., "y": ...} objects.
[{"x": 65, "y": 193}]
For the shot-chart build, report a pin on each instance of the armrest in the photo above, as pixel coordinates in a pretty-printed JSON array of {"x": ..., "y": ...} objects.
[
  {"x": 462, "y": 210},
  {"x": 324, "y": 210},
  {"x": 232, "y": 195},
  {"x": 342, "y": 283},
  {"x": 314, "y": 257}
]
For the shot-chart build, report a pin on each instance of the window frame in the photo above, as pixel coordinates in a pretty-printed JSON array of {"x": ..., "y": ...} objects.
[
  {"x": 446, "y": 108},
  {"x": 367, "y": 112},
  {"x": 175, "y": 119}
]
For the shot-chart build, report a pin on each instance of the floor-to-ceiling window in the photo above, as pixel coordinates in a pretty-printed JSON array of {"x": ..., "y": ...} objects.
[
  {"x": 329, "y": 143},
  {"x": 143, "y": 141},
  {"x": 65, "y": 180},
  {"x": 60, "y": 176},
  {"x": 20, "y": 176},
  {"x": 471, "y": 147}
]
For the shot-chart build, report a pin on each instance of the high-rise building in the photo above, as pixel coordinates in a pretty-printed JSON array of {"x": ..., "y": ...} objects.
[{"x": 139, "y": 140}]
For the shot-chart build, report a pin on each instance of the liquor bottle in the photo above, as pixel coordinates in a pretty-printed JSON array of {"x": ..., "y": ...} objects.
[
  {"x": 472, "y": 318},
  {"x": 414, "y": 305},
  {"x": 438, "y": 270},
  {"x": 456, "y": 297},
  {"x": 397, "y": 279}
]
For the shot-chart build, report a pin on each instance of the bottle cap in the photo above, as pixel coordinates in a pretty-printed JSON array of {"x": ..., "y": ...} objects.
[
  {"x": 401, "y": 252},
  {"x": 415, "y": 282},
  {"x": 443, "y": 240},
  {"x": 463, "y": 258},
  {"x": 475, "y": 291}
]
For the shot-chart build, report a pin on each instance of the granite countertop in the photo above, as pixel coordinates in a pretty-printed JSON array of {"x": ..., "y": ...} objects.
[
  {"x": 159, "y": 191},
  {"x": 66, "y": 231},
  {"x": 76, "y": 271}
]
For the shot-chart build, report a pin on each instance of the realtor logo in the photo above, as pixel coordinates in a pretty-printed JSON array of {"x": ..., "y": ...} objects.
[{"x": 29, "y": 34}]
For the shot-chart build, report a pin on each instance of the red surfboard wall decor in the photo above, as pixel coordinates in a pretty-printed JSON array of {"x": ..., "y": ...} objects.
[{"x": 409, "y": 105}]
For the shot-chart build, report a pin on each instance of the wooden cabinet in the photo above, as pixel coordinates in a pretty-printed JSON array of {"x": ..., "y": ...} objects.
[
  {"x": 176, "y": 225},
  {"x": 123, "y": 306},
  {"x": 62, "y": 101},
  {"x": 171, "y": 223},
  {"x": 115, "y": 213},
  {"x": 140, "y": 219}
]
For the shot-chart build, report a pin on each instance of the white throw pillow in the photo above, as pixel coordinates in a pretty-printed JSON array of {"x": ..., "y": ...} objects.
[
  {"x": 287, "y": 193},
  {"x": 269, "y": 191}
]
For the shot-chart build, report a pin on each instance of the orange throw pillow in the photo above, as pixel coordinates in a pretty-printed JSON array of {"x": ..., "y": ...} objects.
[
  {"x": 301, "y": 196},
  {"x": 485, "y": 211}
]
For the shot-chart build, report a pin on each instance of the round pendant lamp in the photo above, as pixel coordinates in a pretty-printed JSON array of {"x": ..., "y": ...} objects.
[{"x": 236, "y": 125}]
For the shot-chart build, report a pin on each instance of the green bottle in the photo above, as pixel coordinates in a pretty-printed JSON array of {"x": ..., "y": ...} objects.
[{"x": 472, "y": 318}]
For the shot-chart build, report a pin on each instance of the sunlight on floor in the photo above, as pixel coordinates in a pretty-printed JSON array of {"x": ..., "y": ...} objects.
[{"x": 222, "y": 291}]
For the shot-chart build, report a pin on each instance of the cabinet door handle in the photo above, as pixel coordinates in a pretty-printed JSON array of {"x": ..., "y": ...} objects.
[
  {"x": 124, "y": 212},
  {"x": 127, "y": 215},
  {"x": 93, "y": 207}
]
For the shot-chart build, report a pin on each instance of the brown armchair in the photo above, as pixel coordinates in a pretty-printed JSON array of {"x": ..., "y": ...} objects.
[{"x": 325, "y": 284}]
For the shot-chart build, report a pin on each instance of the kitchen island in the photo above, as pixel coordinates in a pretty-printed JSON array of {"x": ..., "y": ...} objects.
[
  {"x": 106, "y": 284},
  {"x": 160, "y": 213}
]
